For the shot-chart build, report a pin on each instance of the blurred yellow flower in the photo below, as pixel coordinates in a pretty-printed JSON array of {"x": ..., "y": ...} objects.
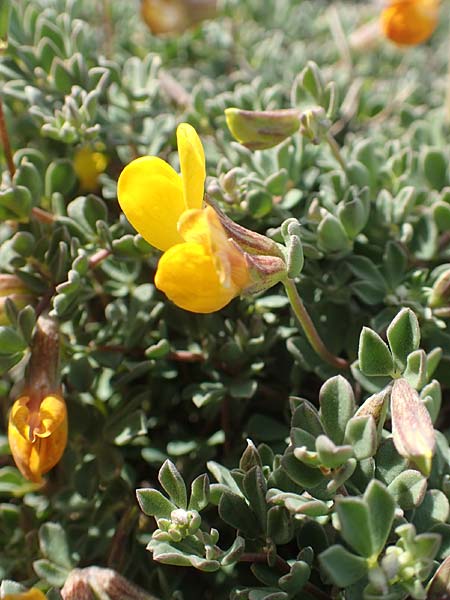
[
  {"x": 32, "y": 594},
  {"x": 175, "y": 16},
  {"x": 88, "y": 165},
  {"x": 37, "y": 434},
  {"x": 410, "y": 22}
]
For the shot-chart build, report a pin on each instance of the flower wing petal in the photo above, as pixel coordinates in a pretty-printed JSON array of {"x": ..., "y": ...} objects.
[{"x": 150, "y": 194}]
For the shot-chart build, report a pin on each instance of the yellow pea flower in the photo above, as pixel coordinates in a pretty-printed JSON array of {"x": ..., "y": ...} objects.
[
  {"x": 410, "y": 22},
  {"x": 32, "y": 594},
  {"x": 153, "y": 196},
  {"x": 88, "y": 165},
  {"x": 37, "y": 434},
  {"x": 208, "y": 260}
]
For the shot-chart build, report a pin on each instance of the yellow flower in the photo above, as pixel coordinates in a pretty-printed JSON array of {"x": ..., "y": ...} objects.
[
  {"x": 37, "y": 434},
  {"x": 203, "y": 267},
  {"x": 207, "y": 271},
  {"x": 410, "y": 22},
  {"x": 88, "y": 165},
  {"x": 175, "y": 16},
  {"x": 32, "y": 594}
]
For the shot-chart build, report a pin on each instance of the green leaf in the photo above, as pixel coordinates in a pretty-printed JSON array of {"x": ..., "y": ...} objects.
[
  {"x": 54, "y": 546},
  {"x": 435, "y": 164},
  {"x": 404, "y": 336},
  {"x": 169, "y": 554},
  {"x": 434, "y": 509},
  {"x": 354, "y": 518},
  {"x": 53, "y": 574},
  {"x": 361, "y": 434},
  {"x": 173, "y": 483},
  {"x": 300, "y": 473},
  {"x": 59, "y": 177},
  {"x": 331, "y": 235},
  {"x": 343, "y": 567},
  {"x": 373, "y": 354},
  {"x": 154, "y": 504},
  {"x": 199, "y": 493},
  {"x": 280, "y": 527},
  {"x": 408, "y": 489},
  {"x": 330, "y": 455},
  {"x": 381, "y": 507},
  {"x": 337, "y": 406},
  {"x": 10, "y": 341},
  {"x": 255, "y": 489},
  {"x": 296, "y": 579},
  {"x": 234, "y": 510},
  {"x": 416, "y": 369}
]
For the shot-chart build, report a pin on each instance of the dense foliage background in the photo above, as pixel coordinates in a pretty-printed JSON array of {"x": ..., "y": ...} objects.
[{"x": 145, "y": 381}]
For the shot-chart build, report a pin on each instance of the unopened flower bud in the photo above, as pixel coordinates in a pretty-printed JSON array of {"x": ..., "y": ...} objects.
[
  {"x": 265, "y": 272},
  {"x": 37, "y": 429},
  {"x": 258, "y": 130},
  {"x": 440, "y": 292},
  {"x": 250, "y": 457},
  {"x": 314, "y": 124}
]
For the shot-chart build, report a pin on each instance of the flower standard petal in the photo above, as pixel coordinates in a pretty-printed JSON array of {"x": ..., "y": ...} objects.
[
  {"x": 150, "y": 194},
  {"x": 192, "y": 165}
]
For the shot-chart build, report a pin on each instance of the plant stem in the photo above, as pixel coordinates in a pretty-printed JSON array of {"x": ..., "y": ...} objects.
[
  {"x": 283, "y": 566},
  {"x": 5, "y": 142},
  {"x": 98, "y": 257},
  {"x": 308, "y": 327},
  {"x": 334, "y": 147}
]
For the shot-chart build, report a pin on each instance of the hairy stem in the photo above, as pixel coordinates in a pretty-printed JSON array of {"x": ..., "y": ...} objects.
[{"x": 308, "y": 327}]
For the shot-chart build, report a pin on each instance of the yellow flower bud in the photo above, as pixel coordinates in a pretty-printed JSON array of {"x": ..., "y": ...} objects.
[
  {"x": 88, "y": 165},
  {"x": 37, "y": 434},
  {"x": 37, "y": 428},
  {"x": 410, "y": 22},
  {"x": 32, "y": 594}
]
